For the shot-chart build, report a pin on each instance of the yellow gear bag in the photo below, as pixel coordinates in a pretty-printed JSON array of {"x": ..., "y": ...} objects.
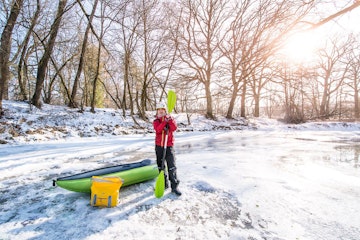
[{"x": 105, "y": 191}]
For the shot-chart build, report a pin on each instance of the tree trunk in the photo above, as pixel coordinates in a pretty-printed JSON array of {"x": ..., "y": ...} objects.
[
  {"x": 95, "y": 82},
  {"x": 72, "y": 102},
  {"x": 257, "y": 105},
  {"x": 24, "y": 54},
  {"x": 126, "y": 81},
  {"x": 229, "y": 114},
  {"x": 40, "y": 78},
  {"x": 5, "y": 49},
  {"x": 243, "y": 98},
  {"x": 209, "y": 111},
  {"x": 356, "y": 100},
  {"x": 323, "y": 104},
  {"x": 96, "y": 78}
]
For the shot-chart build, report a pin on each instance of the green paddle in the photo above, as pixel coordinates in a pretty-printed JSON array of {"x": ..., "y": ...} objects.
[{"x": 160, "y": 181}]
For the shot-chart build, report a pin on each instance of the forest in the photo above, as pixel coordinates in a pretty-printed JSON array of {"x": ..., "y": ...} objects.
[{"x": 222, "y": 57}]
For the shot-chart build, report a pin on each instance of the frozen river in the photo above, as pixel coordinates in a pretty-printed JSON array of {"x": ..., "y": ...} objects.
[{"x": 236, "y": 185}]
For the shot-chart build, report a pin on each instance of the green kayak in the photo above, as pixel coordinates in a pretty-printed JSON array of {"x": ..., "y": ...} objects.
[{"x": 130, "y": 173}]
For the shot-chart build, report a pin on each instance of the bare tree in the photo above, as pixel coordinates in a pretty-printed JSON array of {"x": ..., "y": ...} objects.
[
  {"x": 155, "y": 55},
  {"x": 172, "y": 20},
  {"x": 97, "y": 71},
  {"x": 332, "y": 73},
  {"x": 353, "y": 61},
  {"x": 72, "y": 102},
  {"x": 140, "y": 37},
  {"x": 355, "y": 71},
  {"x": 43, "y": 64},
  {"x": 254, "y": 35},
  {"x": 355, "y": 4},
  {"x": 58, "y": 73},
  {"x": 127, "y": 37},
  {"x": 150, "y": 52},
  {"x": 21, "y": 70},
  {"x": 5, "y": 48},
  {"x": 201, "y": 34}
]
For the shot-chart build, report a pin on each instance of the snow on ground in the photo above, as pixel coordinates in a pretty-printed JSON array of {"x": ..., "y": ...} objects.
[
  {"x": 23, "y": 123},
  {"x": 265, "y": 181}
]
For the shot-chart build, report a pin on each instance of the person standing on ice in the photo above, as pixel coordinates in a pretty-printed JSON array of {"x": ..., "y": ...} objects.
[{"x": 162, "y": 123}]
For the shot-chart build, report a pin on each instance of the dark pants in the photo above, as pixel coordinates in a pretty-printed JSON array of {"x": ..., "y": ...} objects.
[{"x": 169, "y": 162}]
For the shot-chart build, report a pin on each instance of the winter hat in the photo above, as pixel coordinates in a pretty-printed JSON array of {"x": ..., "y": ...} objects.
[{"x": 161, "y": 105}]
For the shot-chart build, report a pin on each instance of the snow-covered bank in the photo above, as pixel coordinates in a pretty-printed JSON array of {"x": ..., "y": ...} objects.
[{"x": 22, "y": 124}]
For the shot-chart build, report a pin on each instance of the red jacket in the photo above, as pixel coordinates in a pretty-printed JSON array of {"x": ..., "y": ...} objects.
[{"x": 159, "y": 125}]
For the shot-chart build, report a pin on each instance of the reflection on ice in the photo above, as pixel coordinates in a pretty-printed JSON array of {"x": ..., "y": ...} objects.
[{"x": 348, "y": 154}]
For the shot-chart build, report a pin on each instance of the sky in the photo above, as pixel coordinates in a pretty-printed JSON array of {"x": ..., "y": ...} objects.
[
  {"x": 266, "y": 181},
  {"x": 350, "y": 21}
]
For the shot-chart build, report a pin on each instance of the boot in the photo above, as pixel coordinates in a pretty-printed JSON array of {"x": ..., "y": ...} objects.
[
  {"x": 166, "y": 182},
  {"x": 176, "y": 191},
  {"x": 174, "y": 188}
]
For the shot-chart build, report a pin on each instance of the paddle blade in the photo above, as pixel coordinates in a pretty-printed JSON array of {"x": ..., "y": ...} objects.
[
  {"x": 171, "y": 101},
  {"x": 160, "y": 185}
]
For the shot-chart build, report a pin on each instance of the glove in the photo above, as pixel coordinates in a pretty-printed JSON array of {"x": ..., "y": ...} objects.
[{"x": 168, "y": 118}]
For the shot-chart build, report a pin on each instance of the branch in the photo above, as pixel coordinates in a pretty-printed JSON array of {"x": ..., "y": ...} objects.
[{"x": 335, "y": 15}]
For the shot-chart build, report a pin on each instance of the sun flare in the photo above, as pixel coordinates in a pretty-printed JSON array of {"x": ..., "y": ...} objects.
[{"x": 301, "y": 47}]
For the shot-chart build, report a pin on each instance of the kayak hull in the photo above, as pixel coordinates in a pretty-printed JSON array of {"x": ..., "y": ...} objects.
[{"x": 130, "y": 174}]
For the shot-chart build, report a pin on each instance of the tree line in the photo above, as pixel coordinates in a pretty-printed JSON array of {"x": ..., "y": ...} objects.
[{"x": 221, "y": 57}]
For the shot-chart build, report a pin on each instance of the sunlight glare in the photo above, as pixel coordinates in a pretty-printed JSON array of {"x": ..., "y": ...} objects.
[{"x": 301, "y": 47}]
